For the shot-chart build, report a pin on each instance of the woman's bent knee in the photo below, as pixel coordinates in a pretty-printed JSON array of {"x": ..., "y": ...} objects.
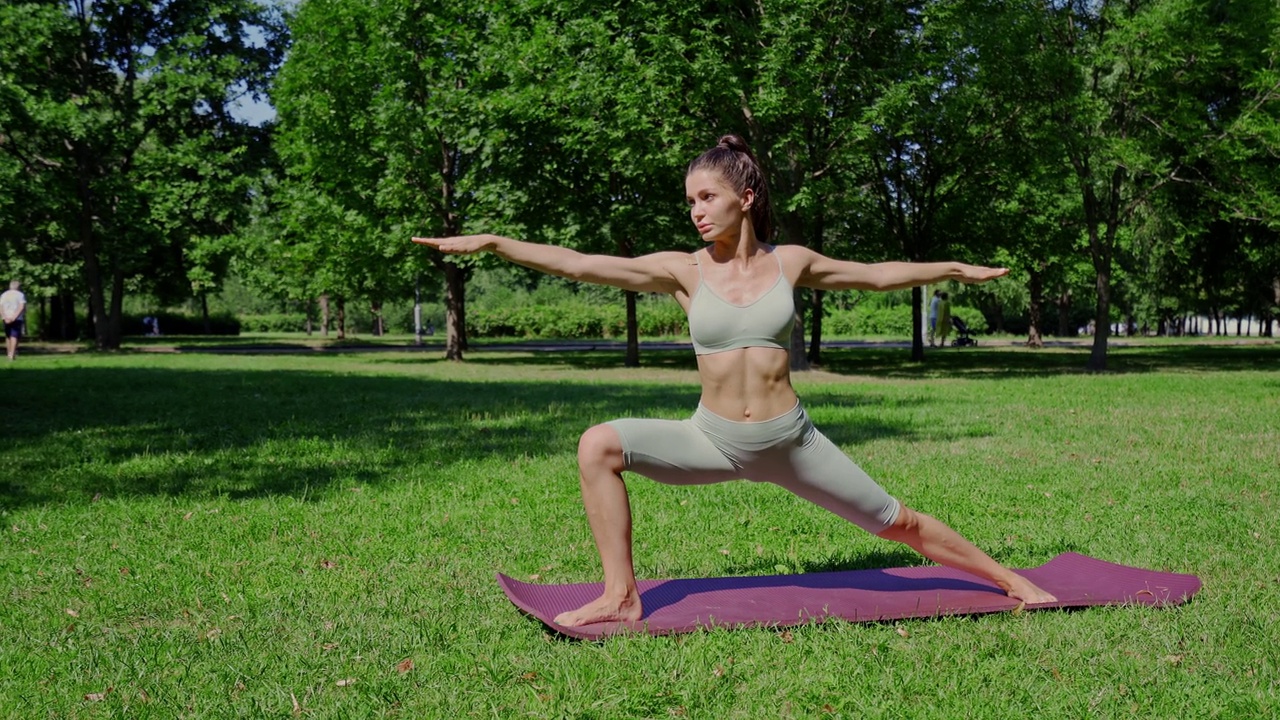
[{"x": 599, "y": 446}]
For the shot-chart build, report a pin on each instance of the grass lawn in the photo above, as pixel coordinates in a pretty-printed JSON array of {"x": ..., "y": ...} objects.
[{"x": 316, "y": 534}]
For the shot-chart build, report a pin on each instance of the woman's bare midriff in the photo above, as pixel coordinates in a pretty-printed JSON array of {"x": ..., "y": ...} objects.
[{"x": 747, "y": 385}]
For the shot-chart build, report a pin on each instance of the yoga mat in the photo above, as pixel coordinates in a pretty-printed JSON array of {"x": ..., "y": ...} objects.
[{"x": 685, "y": 605}]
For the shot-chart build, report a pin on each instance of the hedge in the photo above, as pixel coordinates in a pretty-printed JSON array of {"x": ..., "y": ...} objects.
[
  {"x": 580, "y": 320},
  {"x": 575, "y": 321},
  {"x": 172, "y": 323},
  {"x": 890, "y": 321},
  {"x": 277, "y": 322}
]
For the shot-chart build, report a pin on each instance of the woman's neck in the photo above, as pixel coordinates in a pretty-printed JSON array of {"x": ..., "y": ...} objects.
[{"x": 743, "y": 246}]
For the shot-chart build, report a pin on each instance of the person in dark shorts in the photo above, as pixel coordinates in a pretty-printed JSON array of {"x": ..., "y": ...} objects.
[{"x": 13, "y": 308}]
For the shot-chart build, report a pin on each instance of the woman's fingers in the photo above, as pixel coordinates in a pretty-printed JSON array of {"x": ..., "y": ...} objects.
[
  {"x": 976, "y": 274},
  {"x": 455, "y": 245}
]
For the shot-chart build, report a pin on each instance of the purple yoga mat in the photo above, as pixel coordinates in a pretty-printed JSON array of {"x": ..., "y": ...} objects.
[{"x": 685, "y": 605}]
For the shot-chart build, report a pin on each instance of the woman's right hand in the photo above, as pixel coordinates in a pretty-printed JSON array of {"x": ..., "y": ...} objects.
[{"x": 460, "y": 244}]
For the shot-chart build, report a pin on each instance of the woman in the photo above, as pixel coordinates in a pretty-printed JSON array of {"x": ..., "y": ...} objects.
[{"x": 737, "y": 293}]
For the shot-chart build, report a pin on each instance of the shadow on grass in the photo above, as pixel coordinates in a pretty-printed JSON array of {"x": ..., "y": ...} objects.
[
  {"x": 894, "y": 556},
  {"x": 77, "y": 433},
  {"x": 1016, "y": 362},
  {"x": 983, "y": 362}
]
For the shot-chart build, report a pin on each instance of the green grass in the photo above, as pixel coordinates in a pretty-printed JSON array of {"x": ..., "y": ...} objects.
[{"x": 279, "y": 535}]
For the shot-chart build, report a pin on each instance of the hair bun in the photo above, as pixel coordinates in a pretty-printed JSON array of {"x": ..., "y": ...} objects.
[{"x": 733, "y": 142}]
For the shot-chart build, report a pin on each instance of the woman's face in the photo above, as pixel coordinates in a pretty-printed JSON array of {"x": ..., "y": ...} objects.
[{"x": 716, "y": 209}]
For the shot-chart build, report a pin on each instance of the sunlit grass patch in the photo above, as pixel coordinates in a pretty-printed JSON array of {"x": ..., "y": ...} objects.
[{"x": 265, "y": 535}]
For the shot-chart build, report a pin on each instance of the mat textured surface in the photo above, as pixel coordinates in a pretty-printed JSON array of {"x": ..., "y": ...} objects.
[{"x": 685, "y": 605}]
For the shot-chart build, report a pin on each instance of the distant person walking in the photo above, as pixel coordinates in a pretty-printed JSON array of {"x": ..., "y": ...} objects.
[
  {"x": 933, "y": 316},
  {"x": 13, "y": 307},
  {"x": 944, "y": 319}
]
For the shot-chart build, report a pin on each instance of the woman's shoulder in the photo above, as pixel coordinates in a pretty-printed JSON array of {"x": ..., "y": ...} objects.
[
  {"x": 677, "y": 257},
  {"x": 797, "y": 255}
]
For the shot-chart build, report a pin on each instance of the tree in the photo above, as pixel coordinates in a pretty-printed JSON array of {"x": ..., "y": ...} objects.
[
  {"x": 1130, "y": 120},
  {"x": 100, "y": 103},
  {"x": 386, "y": 118},
  {"x": 938, "y": 141},
  {"x": 604, "y": 139},
  {"x": 332, "y": 235}
]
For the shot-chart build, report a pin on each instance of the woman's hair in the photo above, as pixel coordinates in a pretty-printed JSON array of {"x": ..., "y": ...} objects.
[{"x": 732, "y": 159}]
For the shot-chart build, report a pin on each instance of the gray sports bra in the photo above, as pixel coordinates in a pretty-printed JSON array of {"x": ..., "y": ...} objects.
[{"x": 716, "y": 325}]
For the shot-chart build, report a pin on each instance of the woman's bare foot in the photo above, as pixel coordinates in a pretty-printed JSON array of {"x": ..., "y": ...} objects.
[
  {"x": 604, "y": 609},
  {"x": 1020, "y": 588}
]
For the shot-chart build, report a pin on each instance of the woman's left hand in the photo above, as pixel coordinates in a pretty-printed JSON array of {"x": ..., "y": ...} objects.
[
  {"x": 980, "y": 274},
  {"x": 459, "y": 245}
]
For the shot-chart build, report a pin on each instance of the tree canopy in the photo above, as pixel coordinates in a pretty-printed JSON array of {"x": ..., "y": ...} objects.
[
  {"x": 1122, "y": 154},
  {"x": 116, "y": 121}
]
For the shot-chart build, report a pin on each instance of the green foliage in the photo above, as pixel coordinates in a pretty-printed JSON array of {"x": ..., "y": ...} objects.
[
  {"x": 1133, "y": 143},
  {"x": 187, "y": 324},
  {"x": 656, "y": 317},
  {"x": 273, "y": 323},
  {"x": 119, "y": 114},
  {"x": 890, "y": 321}
]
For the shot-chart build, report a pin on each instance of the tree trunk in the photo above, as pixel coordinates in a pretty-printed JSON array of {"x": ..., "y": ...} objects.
[
  {"x": 455, "y": 311},
  {"x": 62, "y": 318},
  {"x": 1275, "y": 297},
  {"x": 1063, "y": 302},
  {"x": 817, "y": 242},
  {"x": 912, "y": 247},
  {"x": 1102, "y": 324},
  {"x": 632, "y": 358},
  {"x": 815, "y": 332},
  {"x": 1101, "y": 248},
  {"x": 204, "y": 312},
  {"x": 324, "y": 315},
  {"x": 626, "y": 248},
  {"x": 376, "y": 310},
  {"x": 342, "y": 317},
  {"x": 116, "y": 310},
  {"x": 917, "y": 324},
  {"x": 1036, "y": 288},
  {"x": 999, "y": 316},
  {"x": 455, "y": 278},
  {"x": 92, "y": 268}
]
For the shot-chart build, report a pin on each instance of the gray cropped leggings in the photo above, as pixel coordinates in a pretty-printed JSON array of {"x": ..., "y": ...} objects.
[{"x": 787, "y": 451}]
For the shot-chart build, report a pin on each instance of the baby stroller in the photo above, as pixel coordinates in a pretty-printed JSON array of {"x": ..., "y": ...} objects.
[{"x": 963, "y": 338}]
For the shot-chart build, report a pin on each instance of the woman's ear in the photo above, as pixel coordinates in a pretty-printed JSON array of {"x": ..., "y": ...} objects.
[{"x": 748, "y": 199}]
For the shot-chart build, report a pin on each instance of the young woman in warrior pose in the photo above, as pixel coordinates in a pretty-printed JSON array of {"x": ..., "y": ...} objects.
[{"x": 749, "y": 424}]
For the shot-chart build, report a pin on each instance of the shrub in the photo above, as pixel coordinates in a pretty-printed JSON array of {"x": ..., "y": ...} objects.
[
  {"x": 172, "y": 323},
  {"x": 660, "y": 317},
  {"x": 575, "y": 320},
  {"x": 895, "y": 321},
  {"x": 891, "y": 321},
  {"x": 276, "y": 322}
]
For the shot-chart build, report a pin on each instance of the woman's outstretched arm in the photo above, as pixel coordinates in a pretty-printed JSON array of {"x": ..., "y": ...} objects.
[
  {"x": 648, "y": 273},
  {"x": 824, "y": 273}
]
